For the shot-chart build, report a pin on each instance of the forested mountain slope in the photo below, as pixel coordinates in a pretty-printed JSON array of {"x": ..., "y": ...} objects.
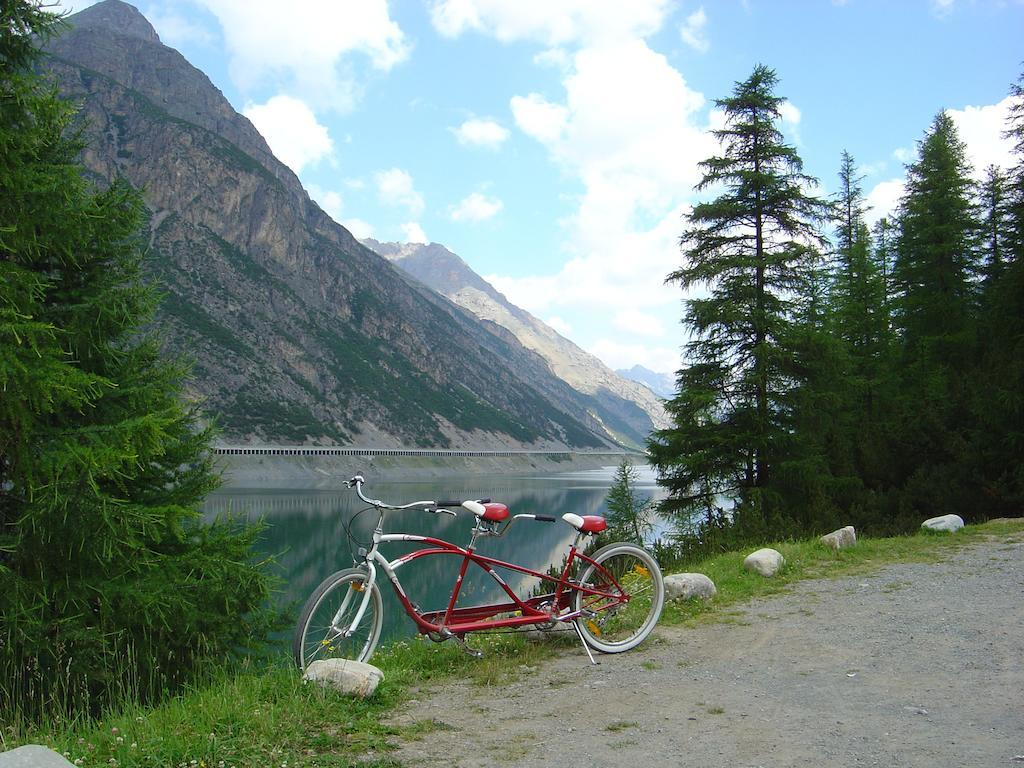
[{"x": 299, "y": 333}]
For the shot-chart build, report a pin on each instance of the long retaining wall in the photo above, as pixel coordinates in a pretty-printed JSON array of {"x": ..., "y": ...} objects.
[{"x": 329, "y": 466}]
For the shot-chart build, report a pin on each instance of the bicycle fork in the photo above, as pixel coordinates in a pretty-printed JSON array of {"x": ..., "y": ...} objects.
[{"x": 367, "y": 589}]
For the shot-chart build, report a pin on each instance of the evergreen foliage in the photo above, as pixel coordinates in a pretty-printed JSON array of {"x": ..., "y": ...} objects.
[
  {"x": 629, "y": 515},
  {"x": 110, "y": 585},
  {"x": 877, "y": 389},
  {"x": 753, "y": 249}
]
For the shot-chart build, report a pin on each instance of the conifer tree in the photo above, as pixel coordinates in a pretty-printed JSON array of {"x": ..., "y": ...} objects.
[
  {"x": 752, "y": 248},
  {"x": 995, "y": 223},
  {"x": 629, "y": 515},
  {"x": 998, "y": 443},
  {"x": 109, "y": 583},
  {"x": 936, "y": 309}
]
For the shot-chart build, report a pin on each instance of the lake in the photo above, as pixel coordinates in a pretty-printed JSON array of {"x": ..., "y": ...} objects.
[{"x": 306, "y": 531}]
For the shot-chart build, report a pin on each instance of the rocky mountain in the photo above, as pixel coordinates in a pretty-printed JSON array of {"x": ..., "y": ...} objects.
[
  {"x": 298, "y": 332},
  {"x": 628, "y": 408},
  {"x": 661, "y": 384}
]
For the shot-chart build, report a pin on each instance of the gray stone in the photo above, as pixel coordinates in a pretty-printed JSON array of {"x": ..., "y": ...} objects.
[
  {"x": 945, "y": 523},
  {"x": 32, "y": 756},
  {"x": 352, "y": 677},
  {"x": 686, "y": 586},
  {"x": 765, "y": 561},
  {"x": 841, "y": 539}
]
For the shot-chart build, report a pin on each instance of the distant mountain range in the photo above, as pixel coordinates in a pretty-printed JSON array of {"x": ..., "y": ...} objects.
[
  {"x": 629, "y": 409},
  {"x": 661, "y": 384},
  {"x": 299, "y": 333}
]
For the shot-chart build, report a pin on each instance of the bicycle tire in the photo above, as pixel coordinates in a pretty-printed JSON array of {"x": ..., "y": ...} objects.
[
  {"x": 608, "y": 625},
  {"x": 319, "y": 632}
]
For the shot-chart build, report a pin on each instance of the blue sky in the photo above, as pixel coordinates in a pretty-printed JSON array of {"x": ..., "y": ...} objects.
[{"x": 553, "y": 144}]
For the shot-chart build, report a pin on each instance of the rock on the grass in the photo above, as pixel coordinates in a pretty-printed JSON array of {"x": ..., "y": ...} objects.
[
  {"x": 841, "y": 539},
  {"x": 352, "y": 677},
  {"x": 686, "y": 586},
  {"x": 945, "y": 523},
  {"x": 765, "y": 561},
  {"x": 32, "y": 756}
]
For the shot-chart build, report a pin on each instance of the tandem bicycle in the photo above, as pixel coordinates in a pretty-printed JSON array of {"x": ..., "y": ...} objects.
[{"x": 611, "y": 597}]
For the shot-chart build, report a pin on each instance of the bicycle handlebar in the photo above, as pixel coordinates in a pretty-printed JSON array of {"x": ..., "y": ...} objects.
[{"x": 428, "y": 506}]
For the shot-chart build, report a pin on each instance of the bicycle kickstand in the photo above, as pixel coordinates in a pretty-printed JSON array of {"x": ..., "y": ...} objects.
[
  {"x": 465, "y": 646},
  {"x": 579, "y": 634}
]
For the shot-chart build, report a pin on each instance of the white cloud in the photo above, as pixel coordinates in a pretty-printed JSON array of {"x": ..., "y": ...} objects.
[
  {"x": 638, "y": 322},
  {"x": 883, "y": 199},
  {"x": 359, "y": 228},
  {"x": 559, "y": 324},
  {"x": 942, "y": 8},
  {"x": 553, "y": 57},
  {"x": 175, "y": 29},
  {"x": 694, "y": 32},
  {"x": 327, "y": 199},
  {"x": 981, "y": 129},
  {"x": 904, "y": 155},
  {"x": 564, "y": 22},
  {"x": 791, "y": 119},
  {"x": 292, "y": 131},
  {"x": 476, "y": 207},
  {"x": 789, "y": 113},
  {"x": 538, "y": 117},
  {"x": 414, "y": 233},
  {"x": 307, "y": 46},
  {"x": 395, "y": 187},
  {"x": 481, "y": 133}
]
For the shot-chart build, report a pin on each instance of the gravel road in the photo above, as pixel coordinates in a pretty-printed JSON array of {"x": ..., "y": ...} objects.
[{"x": 915, "y": 665}]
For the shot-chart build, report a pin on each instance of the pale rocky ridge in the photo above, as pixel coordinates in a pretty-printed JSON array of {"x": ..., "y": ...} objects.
[
  {"x": 299, "y": 334},
  {"x": 616, "y": 398}
]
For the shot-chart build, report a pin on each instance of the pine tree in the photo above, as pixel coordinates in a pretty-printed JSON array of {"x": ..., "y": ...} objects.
[
  {"x": 109, "y": 583},
  {"x": 629, "y": 515},
  {"x": 998, "y": 443},
  {"x": 936, "y": 307},
  {"x": 936, "y": 259},
  {"x": 752, "y": 247},
  {"x": 995, "y": 223}
]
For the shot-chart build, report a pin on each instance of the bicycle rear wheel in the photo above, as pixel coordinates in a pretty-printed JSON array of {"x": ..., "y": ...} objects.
[
  {"x": 634, "y": 594},
  {"x": 327, "y": 617}
]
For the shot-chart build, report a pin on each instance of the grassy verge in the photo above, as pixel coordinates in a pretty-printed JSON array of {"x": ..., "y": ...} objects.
[{"x": 267, "y": 717}]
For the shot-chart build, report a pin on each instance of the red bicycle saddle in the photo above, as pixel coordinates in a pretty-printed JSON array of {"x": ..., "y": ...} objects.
[{"x": 495, "y": 512}]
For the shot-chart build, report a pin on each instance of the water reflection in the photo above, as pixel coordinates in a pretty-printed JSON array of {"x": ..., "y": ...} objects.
[{"x": 306, "y": 532}]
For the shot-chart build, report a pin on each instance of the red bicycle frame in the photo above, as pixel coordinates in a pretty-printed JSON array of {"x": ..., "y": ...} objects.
[{"x": 453, "y": 620}]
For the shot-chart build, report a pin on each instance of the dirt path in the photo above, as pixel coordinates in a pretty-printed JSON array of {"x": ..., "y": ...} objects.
[{"x": 916, "y": 665}]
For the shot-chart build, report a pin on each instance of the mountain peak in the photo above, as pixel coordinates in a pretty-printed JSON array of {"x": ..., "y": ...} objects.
[{"x": 116, "y": 16}]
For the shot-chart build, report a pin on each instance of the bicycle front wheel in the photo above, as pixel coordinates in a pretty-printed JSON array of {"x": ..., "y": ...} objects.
[
  {"x": 325, "y": 627},
  {"x": 632, "y": 596}
]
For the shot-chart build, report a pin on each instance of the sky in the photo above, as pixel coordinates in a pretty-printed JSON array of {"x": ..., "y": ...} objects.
[{"x": 554, "y": 144}]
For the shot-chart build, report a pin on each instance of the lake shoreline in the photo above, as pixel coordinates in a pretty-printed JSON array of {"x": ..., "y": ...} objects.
[{"x": 331, "y": 472}]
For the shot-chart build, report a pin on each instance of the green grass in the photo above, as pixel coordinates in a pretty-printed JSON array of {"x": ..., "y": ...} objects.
[{"x": 267, "y": 717}]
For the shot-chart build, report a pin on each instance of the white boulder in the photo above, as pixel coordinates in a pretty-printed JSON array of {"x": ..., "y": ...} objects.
[
  {"x": 33, "y": 756},
  {"x": 841, "y": 539},
  {"x": 686, "y": 586},
  {"x": 352, "y": 677},
  {"x": 945, "y": 523},
  {"x": 765, "y": 561}
]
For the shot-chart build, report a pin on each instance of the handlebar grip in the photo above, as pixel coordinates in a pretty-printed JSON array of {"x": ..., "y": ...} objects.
[
  {"x": 448, "y": 503},
  {"x": 483, "y": 501},
  {"x": 544, "y": 518}
]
